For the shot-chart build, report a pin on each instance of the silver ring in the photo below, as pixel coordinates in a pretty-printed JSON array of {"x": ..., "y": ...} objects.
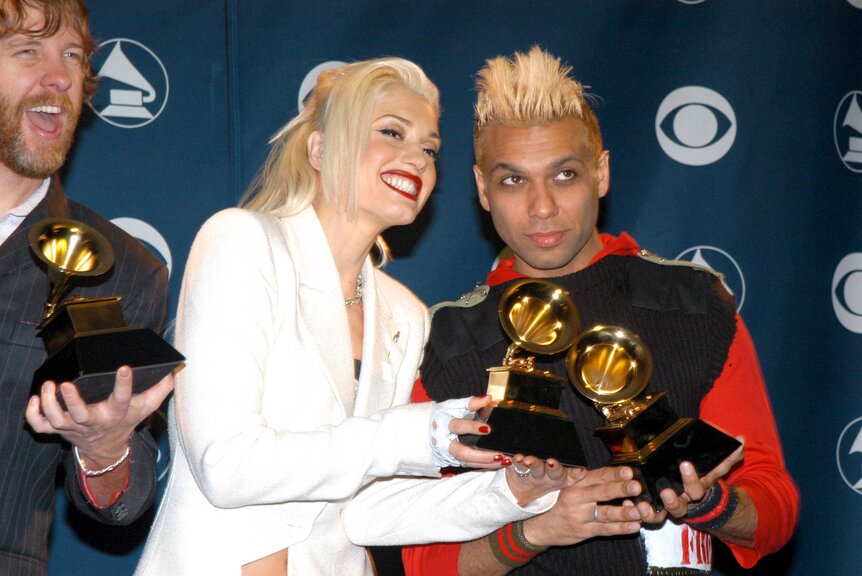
[
  {"x": 596, "y": 512},
  {"x": 520, "y": 472}
]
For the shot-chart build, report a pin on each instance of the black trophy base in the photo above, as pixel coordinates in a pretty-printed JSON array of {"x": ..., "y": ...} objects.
[
  {"x": 91, "y": 361},
  {"x": 515, "y": 431},
  {"x": 688, "y": 440}
]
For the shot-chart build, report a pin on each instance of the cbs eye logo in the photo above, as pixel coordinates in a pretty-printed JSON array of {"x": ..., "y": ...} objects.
[
  {"x": 310, "y": 80},
  {"x": 695, "y": 126},
  {"x": 847, "y": 292},
  {"x": 151, "y": 238}
]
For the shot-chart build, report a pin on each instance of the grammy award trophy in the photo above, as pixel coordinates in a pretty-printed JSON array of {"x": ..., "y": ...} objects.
[
  {"x": 524, "y": 416},
  {"x": 87, "y": 339},
  {"x": 611, "y": 366}
]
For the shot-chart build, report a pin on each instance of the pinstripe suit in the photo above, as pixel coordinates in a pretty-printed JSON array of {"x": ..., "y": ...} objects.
[{"x": 28, "y": 464}]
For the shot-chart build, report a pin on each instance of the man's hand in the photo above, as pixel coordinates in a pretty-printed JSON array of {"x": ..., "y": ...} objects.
[
  {"x": 583, "y": 509},
  {"x": 100, "y": 431},
  {"x": 696, "y": 488}
]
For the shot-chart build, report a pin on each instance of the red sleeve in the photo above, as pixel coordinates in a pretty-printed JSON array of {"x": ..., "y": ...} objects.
[
  {"x": 85, "y": 488},
  {"x": 738, "y": 404},
  {"x": 419, "y": 393},
  {"x": 429, "y": 559}
]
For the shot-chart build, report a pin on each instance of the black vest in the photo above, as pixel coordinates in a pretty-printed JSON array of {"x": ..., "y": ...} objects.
[{"x": 684, "y": 316}]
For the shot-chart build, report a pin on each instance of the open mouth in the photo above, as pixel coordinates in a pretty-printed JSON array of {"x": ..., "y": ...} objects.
[
  {"x": 47, "y": 119},
  {"x": 404, "y": 183}
]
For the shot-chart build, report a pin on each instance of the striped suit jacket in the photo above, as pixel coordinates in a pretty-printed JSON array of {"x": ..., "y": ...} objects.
[{"x": 29, "y": 463}]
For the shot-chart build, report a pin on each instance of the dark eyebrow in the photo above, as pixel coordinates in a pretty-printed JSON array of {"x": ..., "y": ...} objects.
[
  {"x": 565, "y": 160},
  {"x": 504, "y": 166},
  {"x": 408, "y": 123}
]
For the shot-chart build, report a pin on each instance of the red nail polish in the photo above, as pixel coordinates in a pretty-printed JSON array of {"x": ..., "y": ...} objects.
[
  {"x": 498, "y": 458},
  {"x": 484, "y": 429},
  {"x": 507, "y": 462},
  {"x": 551, "y": 464}
]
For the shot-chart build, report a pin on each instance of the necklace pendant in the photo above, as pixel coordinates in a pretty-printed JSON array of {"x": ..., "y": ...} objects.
[{"x": 357, "y": 295}]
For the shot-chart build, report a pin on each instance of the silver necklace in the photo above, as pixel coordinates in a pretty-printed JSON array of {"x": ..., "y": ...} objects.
[{"x": 357, "y": 295}]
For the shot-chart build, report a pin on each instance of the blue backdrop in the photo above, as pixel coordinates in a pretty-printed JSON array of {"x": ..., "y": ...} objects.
[{"x": 735, "y": 131}]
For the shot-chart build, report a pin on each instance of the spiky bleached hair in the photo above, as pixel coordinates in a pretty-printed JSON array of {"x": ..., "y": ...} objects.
[{"x": 530, "y": 89}]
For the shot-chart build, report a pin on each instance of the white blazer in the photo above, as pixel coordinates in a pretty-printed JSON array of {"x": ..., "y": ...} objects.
[{"x": 271, "y": 436}]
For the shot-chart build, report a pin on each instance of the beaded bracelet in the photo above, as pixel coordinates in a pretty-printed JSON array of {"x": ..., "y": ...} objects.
[
  {"x": 91, "y": 473},
  {"x": 715, "y": 509},
  {"x": 510, "y": 546}
]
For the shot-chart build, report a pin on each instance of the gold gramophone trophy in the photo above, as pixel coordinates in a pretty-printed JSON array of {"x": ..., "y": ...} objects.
[
  {"x": 525, "y": 417},
  {"x": 611, "y": 366},
  {"x": 87, "y": 339}
]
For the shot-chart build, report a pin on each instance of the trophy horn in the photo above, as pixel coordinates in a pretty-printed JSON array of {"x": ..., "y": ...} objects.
[
  {"x": 525, "y": 415},
  {"x": 539, "y": 316},
  {"x": 70, "y": 249},
  {"x": 609, "y": 364}
]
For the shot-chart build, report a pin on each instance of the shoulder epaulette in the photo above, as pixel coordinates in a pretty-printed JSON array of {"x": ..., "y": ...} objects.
[
  {"x": 467, "y": 300},
  {"x": 656, "y": 259}
]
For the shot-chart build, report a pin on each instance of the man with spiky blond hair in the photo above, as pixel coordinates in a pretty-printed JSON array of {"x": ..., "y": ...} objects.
[
  {"x": 45, "y": 47},
  {"x": 541, "y": 171}
]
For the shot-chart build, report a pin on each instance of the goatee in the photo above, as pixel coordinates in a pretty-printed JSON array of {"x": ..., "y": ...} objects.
[{"x": 40, "y": 159}]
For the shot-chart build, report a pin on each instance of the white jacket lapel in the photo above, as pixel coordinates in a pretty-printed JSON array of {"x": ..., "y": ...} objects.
[
  {"x": 383, "y": 349},
  {"x": 321, "y": 304}
]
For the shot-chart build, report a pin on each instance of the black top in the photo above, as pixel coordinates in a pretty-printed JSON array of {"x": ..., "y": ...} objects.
[{"x": 683, "y": 314}]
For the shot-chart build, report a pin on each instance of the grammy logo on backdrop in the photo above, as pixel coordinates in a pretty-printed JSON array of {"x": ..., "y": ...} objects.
[{"x": 87, "y": 339}]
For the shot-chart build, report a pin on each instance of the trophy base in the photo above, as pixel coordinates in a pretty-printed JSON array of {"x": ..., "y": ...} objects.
[
  {"x": 515, "y": 431},
  {"x": 688, "y": 439},
  {"x": 91, "y": 361}
]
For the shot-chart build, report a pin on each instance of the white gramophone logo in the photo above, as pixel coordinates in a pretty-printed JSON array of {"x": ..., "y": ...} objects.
[
  {"x": 848, "y": 131},
  {"x": 721, "y": 262},
  {"x": 847, "y": 455},
  {"x": 133, "y": 86}
]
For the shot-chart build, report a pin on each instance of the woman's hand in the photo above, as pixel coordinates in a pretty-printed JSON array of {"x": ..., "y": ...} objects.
[
  {"x": 530, "y": 478},
  {"x": 453, "y": 418}
]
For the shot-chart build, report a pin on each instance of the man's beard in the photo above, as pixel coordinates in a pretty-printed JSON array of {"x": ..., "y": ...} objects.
[{"x": 41, "y": 159}]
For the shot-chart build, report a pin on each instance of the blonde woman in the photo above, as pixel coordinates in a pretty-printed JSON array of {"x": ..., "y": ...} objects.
[{"x": 302, "y": 355}]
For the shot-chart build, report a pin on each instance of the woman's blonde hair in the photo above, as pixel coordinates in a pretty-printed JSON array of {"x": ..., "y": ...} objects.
[
  {"x": 530, "y": 89},
  {"x": 339, "y": 107}
]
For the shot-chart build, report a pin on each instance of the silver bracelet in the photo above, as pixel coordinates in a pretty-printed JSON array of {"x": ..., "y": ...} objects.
[{"x": 90, "y": 473}]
